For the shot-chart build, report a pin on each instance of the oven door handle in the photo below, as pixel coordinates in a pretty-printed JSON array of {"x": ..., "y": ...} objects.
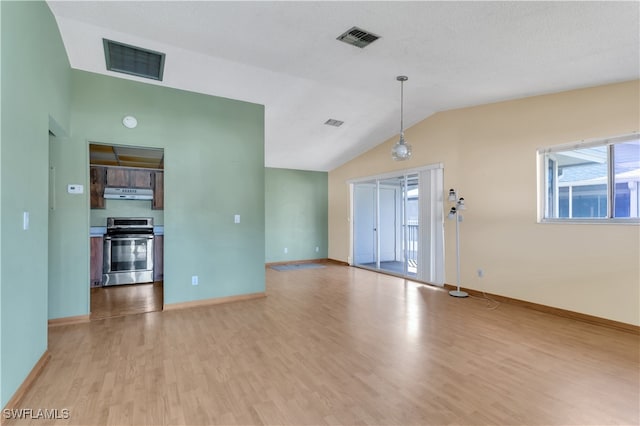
[{"x": 129, "y": 237}]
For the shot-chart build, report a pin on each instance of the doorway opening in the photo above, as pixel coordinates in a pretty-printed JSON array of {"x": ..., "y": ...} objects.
[
  {"x": 127, "y": 230},
  {"x": 397, "y": 224}
]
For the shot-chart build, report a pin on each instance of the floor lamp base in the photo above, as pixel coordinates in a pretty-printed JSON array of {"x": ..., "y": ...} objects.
[{"x": 458, "y": 293}]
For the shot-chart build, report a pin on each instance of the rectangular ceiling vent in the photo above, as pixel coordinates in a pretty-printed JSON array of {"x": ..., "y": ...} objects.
[
  {"x": 335, "y": 123},
  {"x": 133, "y": 60},
  {"x": 358, "y": 37}
]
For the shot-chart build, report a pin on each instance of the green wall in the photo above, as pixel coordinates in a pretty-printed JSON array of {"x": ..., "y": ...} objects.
[
  {"x": 295, "y": 215},
  {"x": 214, "y": 168},
  {"x": 35, "y": 98}
]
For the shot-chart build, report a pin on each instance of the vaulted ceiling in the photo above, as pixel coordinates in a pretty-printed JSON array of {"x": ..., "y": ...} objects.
[{"x": 285, "y": 56}]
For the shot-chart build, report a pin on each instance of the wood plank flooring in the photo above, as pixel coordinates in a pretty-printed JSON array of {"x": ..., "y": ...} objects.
[
  {"x": 340, "y": 345},
  {"x": 119, "y": 300}
]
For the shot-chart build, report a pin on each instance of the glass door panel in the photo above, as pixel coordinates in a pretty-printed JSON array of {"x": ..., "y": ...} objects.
[
  {"x": 390, "y": 210},
  {"x": 364, "y": 224},
  {"x": 412, "y": 222}
]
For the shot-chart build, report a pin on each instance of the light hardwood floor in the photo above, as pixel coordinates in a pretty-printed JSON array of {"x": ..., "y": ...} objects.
[
  {"x": 341, "y": 345},
  {"x": 120, "y": 300}
]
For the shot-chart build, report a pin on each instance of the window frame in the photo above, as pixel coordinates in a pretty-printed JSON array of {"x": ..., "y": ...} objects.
[{"x": 543, "y": 161}]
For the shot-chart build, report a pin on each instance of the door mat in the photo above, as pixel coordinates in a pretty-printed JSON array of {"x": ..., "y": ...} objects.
[{"x": 296, "y": 266}]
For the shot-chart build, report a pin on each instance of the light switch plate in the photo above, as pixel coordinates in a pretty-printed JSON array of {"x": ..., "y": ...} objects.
[
  {"x": 74, "y": 188},
  {"x": 236, "y": 218}
]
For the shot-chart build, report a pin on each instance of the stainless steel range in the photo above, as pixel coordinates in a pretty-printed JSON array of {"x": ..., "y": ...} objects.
[{"x": 128, "y": 251}]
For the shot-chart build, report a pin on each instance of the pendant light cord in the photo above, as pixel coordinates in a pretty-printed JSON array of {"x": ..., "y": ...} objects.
[
  {"x": 402, "y": 109},
  {"x": 402, "y": 79}
]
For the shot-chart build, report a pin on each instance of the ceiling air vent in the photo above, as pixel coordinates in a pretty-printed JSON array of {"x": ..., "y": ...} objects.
[
  {"x": 332, "y": 122},
  {"x": 133, "y": 60},
  {"x": 358, "y": 37}
]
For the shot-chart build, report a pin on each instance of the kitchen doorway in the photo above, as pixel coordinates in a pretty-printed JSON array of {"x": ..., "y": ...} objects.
[{"x": 127, "y": 230}]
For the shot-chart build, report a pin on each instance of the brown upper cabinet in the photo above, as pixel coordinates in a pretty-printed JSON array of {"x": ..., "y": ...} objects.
[
  {"x": 129, "y": 178},
  {"x": 158, "y": 191},
  {"x": 97, "y": 179},
  {"x": 101, "y": 177}
]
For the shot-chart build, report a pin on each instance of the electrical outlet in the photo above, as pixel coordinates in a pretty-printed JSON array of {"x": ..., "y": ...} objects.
[
  {"x": 194, "y": 280},
  {"x": 286, "y": 250},
  {"x": 480, "y": 272},
  {"x": 317, "y": 249}
]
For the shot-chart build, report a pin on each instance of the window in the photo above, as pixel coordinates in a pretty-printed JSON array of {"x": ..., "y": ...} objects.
[{"x": 595, "y": 181}]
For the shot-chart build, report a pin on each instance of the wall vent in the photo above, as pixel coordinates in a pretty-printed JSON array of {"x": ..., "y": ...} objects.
[
  {"x": 133, "y": 60},
  {"x": 335, "y": 123},
  {"x": 358, "y": 37}
]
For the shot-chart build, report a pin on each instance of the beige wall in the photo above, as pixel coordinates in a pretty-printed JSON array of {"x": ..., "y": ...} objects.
[{"x": 489, "y": 156}]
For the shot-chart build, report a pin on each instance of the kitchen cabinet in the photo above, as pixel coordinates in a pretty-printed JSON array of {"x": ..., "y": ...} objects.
[
  {"x": 97, "y": 180},
  {"x": 96, "y": 261},
  {"x": 158, "y": 257},
  {"x": 129, "y": 178},
  {"x": 158, "y": 191},
  {"x": 118, "y": 177},
  {"x": 141, "y": 178}
]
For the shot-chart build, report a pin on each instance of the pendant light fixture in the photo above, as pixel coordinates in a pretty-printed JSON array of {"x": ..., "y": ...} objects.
[{"x": 401, "y": 150}]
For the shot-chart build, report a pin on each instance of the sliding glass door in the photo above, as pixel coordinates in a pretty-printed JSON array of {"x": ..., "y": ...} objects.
[
  {"x": 386, "y": 228},
  {"x": 379, "y": 225}
]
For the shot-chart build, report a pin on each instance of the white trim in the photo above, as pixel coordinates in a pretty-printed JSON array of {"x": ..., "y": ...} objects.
[
  {"x": 377, "y": 225},
  {"x": 589, "y": 143},
  {"x": 542, "y": 181},
  {"x": 350, "y": 259},
  {"x": 397, "y": 173},
  {"x": 541, "y": 188},
  {"x": 591, "y": 221}
]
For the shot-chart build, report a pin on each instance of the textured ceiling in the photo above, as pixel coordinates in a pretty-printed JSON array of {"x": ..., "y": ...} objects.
[{"x": 285, "y": 56}]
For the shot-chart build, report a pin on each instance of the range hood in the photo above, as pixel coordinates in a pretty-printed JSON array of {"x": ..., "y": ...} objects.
[{"x": 128, "y": 194}]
